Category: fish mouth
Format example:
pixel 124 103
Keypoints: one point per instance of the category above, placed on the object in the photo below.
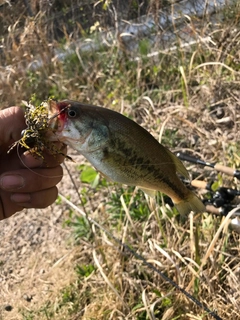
pixel 58 116
pixel 59 123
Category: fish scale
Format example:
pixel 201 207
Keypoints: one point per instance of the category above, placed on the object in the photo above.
pixel 123 151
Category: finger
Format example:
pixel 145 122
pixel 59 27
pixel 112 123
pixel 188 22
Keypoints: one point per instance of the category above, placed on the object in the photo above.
pixel 39 199
pixel 54 160
pixel 12 122
pixel 48 160
pixel 25 180
pixel 7 206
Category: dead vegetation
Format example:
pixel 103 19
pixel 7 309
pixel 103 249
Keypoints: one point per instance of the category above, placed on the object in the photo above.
pixel 189 99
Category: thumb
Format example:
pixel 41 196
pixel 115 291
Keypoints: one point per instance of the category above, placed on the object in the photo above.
pixel 12 122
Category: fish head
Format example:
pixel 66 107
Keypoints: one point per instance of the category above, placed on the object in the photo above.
pixel 78 125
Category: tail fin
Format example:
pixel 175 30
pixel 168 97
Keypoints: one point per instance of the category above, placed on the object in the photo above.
pixel 192 203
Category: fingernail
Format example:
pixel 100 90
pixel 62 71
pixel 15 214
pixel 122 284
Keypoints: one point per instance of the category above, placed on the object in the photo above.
pixel 9 182
pixel 20 197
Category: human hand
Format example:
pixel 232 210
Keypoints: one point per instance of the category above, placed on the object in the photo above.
pixel 25 182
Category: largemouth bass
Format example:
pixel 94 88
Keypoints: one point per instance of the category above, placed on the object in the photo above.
pixel 123 151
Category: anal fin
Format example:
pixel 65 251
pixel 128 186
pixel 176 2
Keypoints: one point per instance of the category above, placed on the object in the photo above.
pixel 150 192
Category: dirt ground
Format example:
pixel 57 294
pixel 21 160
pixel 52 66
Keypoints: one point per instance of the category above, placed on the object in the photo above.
pixel 36 254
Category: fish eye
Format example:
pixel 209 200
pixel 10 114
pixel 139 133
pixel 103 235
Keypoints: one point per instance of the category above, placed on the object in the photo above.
pixel 72 113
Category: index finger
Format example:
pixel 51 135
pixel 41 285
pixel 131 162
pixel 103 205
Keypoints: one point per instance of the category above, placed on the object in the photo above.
pixel 12 122
pixel 48 160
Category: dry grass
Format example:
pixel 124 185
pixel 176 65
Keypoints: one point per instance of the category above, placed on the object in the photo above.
pixel 189 100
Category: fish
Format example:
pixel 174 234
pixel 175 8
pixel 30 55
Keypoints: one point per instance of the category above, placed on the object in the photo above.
pixel 123 151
